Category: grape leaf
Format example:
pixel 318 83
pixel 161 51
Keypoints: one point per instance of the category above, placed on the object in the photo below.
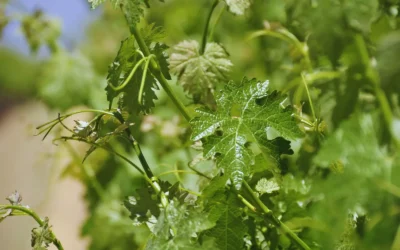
pixel 119 71
pixel 238 6
pixel 229 231
pixel 245 112
pixel 176 225
pixel 199 74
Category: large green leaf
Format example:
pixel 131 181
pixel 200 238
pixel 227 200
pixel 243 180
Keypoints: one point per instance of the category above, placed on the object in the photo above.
pixel 200 73
pixel 245 112
pixel 230 229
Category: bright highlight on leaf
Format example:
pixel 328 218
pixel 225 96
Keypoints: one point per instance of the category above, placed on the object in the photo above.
pixel 199 74
pixel 244 114
pixel 267 186
pixel 238 6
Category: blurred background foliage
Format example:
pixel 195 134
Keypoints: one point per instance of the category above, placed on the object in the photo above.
pixel 335 44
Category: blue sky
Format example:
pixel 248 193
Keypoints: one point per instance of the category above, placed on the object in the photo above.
pixel 74 16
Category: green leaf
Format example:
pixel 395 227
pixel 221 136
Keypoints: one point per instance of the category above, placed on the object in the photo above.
pixel 267 186
pixel 41 236
pixel 199 74
pixel 39 30
pixel 96 3
pixel 178 226
pixel 119 71
pixel 230 229
pixel 365 164
pixel 245 112
pixel 68 74
pixel 159 51
pixel 238 6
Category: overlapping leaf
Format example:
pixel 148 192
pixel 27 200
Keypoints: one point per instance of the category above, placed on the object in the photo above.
pixel 244 114
pixel 200 73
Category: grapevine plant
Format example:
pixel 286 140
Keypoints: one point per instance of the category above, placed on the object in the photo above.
pixel 312 166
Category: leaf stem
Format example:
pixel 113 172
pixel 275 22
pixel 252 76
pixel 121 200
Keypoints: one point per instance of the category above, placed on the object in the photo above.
pixel 31 213
pixel 88 172
pixel 135 146
pixel 268 213
pixel 127 80
pixel 146 67
pixel 205 33
pixel 211 35
pixel 155 70
pixel 105 148
pixel 309 97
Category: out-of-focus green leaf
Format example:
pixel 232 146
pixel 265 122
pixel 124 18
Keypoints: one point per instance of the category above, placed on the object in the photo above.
pixel 68 79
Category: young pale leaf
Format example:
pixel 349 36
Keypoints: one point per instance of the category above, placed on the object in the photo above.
pixel 244 114
pixel 41 236
pixel 267 186
pixel 199 74
pixel 132 9
pixel 238 6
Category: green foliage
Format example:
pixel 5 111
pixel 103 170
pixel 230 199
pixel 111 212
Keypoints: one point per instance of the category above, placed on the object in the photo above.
pixel 199 74
pixel 120 71
pixel 238 168
pixel 41 236
pixel 66 74
pixel 225 212
pixel 244 114
pixel 238 6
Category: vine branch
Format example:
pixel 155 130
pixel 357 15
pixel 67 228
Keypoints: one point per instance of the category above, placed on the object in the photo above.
pixel 32 214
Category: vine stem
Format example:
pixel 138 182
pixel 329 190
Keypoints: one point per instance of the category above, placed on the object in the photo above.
pixel 279 224
pixel 31 213
pixel 211 34
pixel 205 33
pixel 135 146
pixel 155 70
pixel 374 78
pixel 88 172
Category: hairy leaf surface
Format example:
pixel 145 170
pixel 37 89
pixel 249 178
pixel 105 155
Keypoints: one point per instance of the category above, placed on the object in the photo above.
pixel 199 74
pixel 245 112
pixel 238 6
